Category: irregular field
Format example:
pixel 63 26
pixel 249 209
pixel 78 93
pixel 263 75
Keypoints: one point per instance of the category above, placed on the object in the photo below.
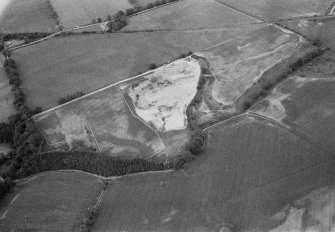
pixel 28 16
pixel 74 13
pixel 62 66
pixel 101 120
pixel 162 97
pixel 54 201
pixel 250 169
pixel 241 63
pixel 6 96
pixel 188 14
pixel 273 9
pixel 304 104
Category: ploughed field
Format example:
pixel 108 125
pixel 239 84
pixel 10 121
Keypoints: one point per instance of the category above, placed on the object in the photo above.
pixel 28 16
pixel 188 14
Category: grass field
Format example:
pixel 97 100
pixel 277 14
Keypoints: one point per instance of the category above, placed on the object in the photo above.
pixel 274 9
pixel 102 120
pixel 80 12
pixel 188 14
pixel 239 64
pixel 54 201
pixel 6 96
pixel 250 169
pixel 62 66
pixel 28 16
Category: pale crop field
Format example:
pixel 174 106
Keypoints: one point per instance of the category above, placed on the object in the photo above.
pixel 188 14
pixel 28 16
pixel 54 201
pixel 74 13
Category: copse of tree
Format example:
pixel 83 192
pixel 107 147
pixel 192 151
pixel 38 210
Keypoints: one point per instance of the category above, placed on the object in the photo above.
pixel 99 20
pixel 91 162
pixel 5 185
pixel 152 66
pixel 70 97
pixel 109 17
pixel 150 5
pixel 130 11
pixel 197 142
pixel 120 21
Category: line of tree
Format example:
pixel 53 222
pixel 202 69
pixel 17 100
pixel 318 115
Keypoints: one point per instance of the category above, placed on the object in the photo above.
pixel 70 97
pixel 26 37
pixel 55 15
pixel 137 8
pixel 20 132
pixel 119 21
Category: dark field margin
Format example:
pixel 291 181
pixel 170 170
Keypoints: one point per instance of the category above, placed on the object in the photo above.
pixel 95 163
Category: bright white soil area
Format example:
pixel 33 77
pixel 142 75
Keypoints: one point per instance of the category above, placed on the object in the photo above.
pixel 161 99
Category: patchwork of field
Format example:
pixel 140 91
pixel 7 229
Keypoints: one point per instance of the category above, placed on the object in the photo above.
pixel 54 201
pixel 28 16
pixel 86 63
pixel 188 14
pixel 250 170
pixel 101 121
pixel 162 97
pixel 80 12
pixel 241 63
pixel 6 96
pixel 304 103
pixel 274 9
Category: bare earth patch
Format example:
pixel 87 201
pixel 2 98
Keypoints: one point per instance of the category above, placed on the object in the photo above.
pixel 162 97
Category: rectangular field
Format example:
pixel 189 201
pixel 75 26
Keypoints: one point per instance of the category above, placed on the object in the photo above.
pixel 80 12
pixel 101 120
pixel 62 66
pixel 56 201
pixel 28 16
pixel 188 14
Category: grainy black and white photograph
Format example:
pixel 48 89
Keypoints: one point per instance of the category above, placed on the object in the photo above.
pixel 167 115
